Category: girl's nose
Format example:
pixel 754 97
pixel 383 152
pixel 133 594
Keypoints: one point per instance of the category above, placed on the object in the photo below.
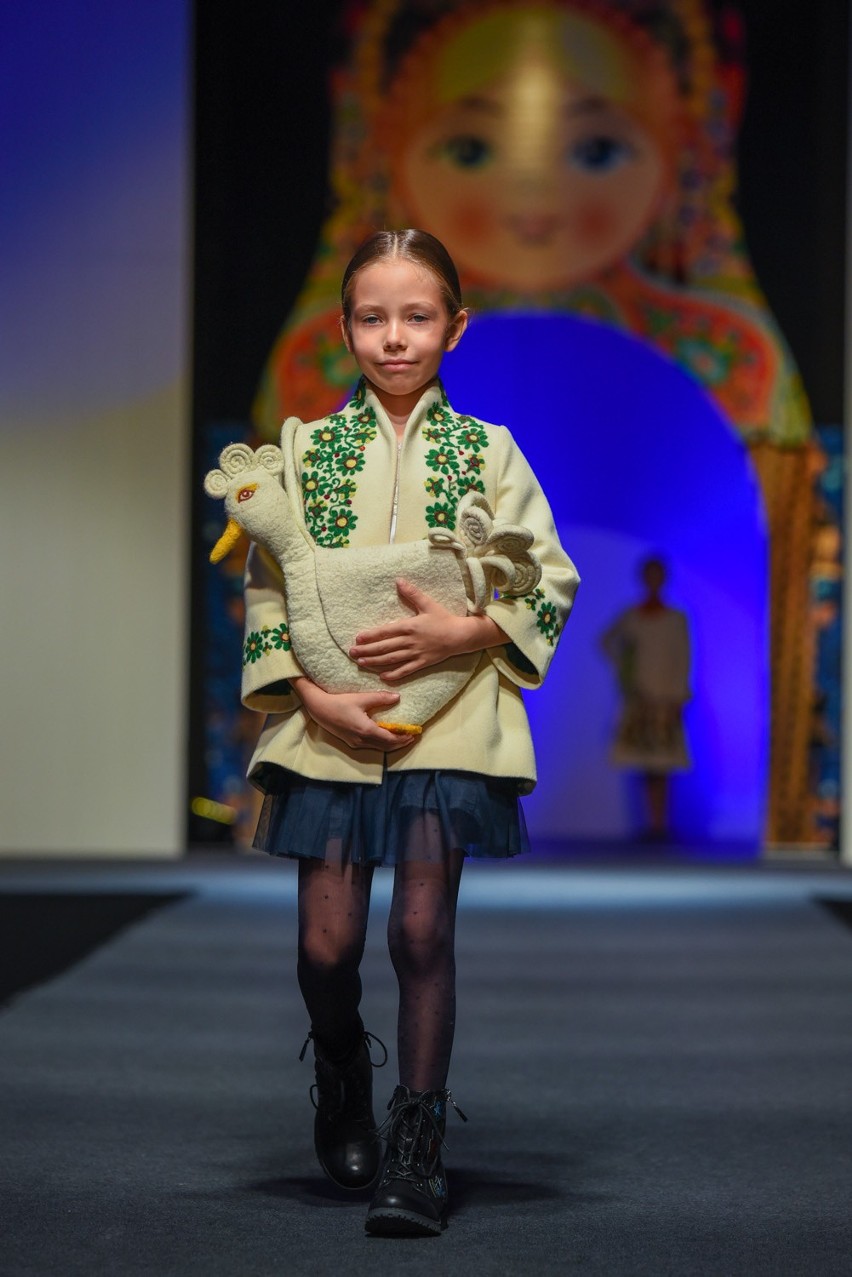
pixel 394 335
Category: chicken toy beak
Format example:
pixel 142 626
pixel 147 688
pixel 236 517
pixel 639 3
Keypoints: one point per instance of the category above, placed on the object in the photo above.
pixel 226 542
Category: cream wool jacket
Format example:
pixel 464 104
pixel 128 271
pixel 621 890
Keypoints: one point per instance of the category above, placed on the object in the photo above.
pixel 356 483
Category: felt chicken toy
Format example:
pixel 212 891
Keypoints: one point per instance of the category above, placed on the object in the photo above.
pixel 332 594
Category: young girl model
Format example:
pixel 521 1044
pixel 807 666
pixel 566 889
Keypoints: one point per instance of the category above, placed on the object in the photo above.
pixel 342 793
pixel 648 644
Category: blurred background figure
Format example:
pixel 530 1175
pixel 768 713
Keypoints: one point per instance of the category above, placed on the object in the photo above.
pixel 649 647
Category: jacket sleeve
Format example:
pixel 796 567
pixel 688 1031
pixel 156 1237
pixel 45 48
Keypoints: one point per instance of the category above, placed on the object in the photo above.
pixel 535 621
pixel 268 660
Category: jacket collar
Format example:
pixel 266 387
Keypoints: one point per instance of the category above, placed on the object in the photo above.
pixel 433 399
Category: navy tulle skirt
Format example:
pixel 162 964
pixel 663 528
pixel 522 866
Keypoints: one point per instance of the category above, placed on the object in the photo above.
pixel 411 815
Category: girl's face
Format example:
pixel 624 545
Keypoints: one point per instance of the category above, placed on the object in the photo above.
pixel 399 328
pixel 547 171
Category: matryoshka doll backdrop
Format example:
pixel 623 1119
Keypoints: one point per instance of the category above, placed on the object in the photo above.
pixel 577 157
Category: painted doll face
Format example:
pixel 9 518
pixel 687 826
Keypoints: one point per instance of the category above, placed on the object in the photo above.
pixel 543 164
pixel 399 327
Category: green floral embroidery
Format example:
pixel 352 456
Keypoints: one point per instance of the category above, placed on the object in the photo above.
pixel 328 484
pixel 546 615
pixel 350 462
pixel 474 437
pixel 442 459
pixel 337 455
pixel 440 515
pixel 253 648
pixel 341 522
pixel 455 461
pixel 363 434
pixel 342 492
pixel 280 637
pixel 325 435
pixel 546 621
pixel 259 642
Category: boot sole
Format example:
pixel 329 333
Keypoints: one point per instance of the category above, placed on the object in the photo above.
pixel 393 1222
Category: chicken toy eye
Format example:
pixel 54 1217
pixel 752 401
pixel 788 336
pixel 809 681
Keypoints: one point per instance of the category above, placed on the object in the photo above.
pixel 246 493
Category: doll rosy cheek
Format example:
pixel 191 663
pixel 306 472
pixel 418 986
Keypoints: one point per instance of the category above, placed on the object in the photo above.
pixel 471 220
pixel 594 224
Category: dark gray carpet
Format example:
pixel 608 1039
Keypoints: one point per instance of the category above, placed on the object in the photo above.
pixel 43 933
pixel 657 1071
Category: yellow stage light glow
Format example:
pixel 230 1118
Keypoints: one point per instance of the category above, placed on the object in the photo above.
pixel 209 809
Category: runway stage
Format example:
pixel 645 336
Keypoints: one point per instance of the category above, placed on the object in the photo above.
pixel 656 1064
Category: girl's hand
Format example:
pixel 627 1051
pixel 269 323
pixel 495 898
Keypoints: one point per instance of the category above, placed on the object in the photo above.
pixel 415 642
pixel 346 715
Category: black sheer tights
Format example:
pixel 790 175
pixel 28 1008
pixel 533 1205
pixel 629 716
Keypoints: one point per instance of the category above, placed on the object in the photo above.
pixel 333 907
pixel 334 901
pixel 421 939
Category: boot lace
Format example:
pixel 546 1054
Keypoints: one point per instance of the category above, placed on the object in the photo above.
pixel 342 1087
pixel 414 1134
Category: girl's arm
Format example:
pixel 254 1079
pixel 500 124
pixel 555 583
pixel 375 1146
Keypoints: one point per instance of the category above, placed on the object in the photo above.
pixel 522 632
pixel 428 637
pixel 346 715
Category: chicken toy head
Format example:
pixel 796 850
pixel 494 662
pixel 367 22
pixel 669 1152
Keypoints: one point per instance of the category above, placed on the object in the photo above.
pixel 248 481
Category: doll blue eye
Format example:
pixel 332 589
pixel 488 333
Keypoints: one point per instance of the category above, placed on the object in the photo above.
pixel 468 151
pixel 599 153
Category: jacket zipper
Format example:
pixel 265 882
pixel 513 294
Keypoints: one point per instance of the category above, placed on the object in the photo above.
pixel 395 509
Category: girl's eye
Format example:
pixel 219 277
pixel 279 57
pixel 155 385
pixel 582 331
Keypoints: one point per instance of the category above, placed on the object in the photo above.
pixel 420 319
pixel 600 153
pixel 369 319
pixel 468 151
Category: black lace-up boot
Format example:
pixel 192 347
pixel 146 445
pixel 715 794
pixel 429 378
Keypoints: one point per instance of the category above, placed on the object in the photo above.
pixel 345 1136
pixel 411 1199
